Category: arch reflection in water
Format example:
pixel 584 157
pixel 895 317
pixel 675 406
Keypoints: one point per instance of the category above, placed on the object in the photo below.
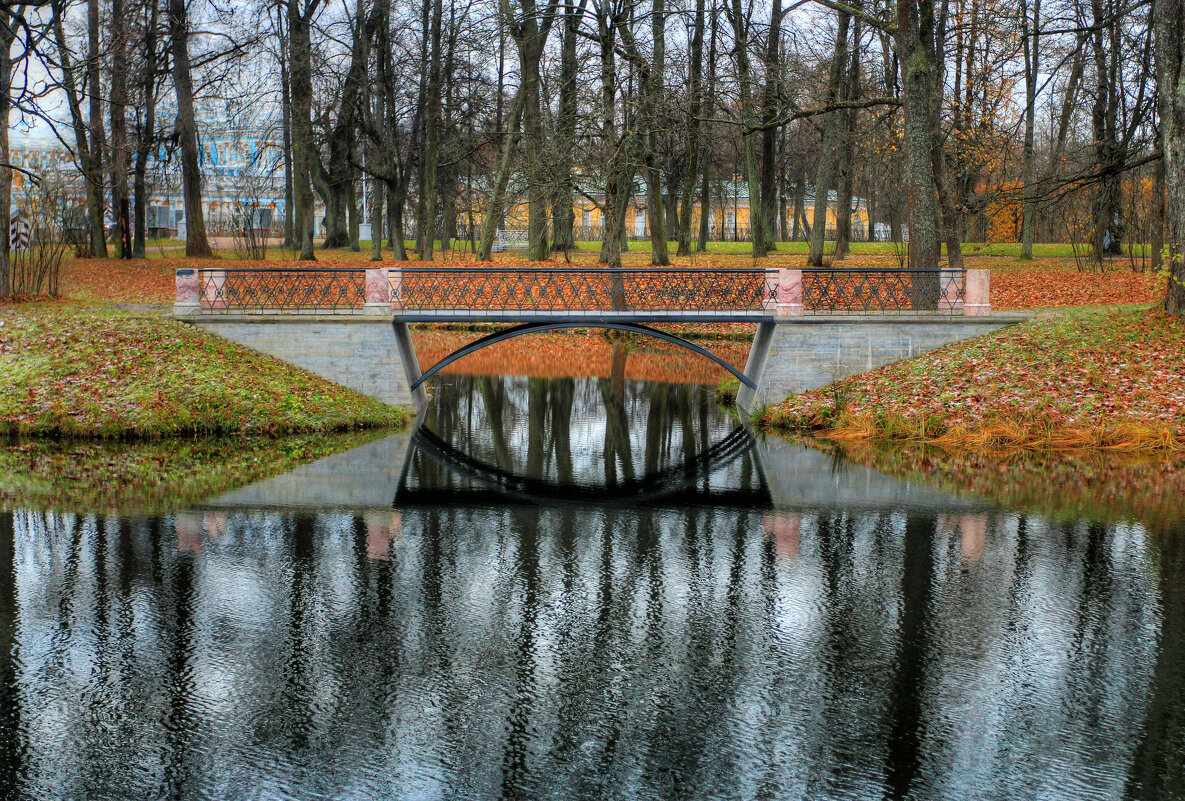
pixel 496 440
pixel 844 644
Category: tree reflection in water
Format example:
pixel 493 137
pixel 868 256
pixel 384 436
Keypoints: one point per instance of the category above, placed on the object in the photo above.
pixel 486 639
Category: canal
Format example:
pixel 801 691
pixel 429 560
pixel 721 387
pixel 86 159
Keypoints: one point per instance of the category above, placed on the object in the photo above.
pixel 587 588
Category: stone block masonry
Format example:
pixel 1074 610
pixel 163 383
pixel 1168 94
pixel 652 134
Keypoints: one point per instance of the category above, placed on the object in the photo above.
pixel 357 351
pixel 805 353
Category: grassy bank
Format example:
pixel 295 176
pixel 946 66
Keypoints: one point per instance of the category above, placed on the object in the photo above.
pixel 1099 486
pixel 94 371
pixel 1089 378
pixel 155 477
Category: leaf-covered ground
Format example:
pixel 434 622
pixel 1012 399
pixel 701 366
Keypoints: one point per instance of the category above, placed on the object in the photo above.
pixel 1084 378
pixel 93 371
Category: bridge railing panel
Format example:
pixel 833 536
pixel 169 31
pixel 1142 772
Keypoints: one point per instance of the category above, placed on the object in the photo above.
pixel 286 290
pixel 527 289
pixel 888 291
pixel 735 293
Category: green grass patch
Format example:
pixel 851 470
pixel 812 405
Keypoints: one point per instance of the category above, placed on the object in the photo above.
pixel 93 371
pixel 726 391
pixel 152 477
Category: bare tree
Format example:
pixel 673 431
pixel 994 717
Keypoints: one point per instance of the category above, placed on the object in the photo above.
pixel 1170 39
pixel 196 242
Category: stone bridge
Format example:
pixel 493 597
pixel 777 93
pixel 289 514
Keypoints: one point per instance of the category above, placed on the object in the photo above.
pixel 811 326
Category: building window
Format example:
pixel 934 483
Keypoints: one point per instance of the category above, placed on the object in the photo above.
pixel 586 218
pixel 640 222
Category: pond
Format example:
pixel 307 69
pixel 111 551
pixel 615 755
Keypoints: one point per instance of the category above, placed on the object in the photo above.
pixel 582 588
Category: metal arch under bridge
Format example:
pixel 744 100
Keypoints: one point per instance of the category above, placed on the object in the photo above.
pixel 556 325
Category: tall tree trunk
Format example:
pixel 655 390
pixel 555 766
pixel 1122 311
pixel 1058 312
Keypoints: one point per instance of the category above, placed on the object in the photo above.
pixel 797 231
pixel 948 213
pixel 563 217
pixel 1107 202
pixel 147 134
pixel 196 244
pixel 653 82
pixel 289 223
pixel 98 144
pixel 89 163
pixel 431 137
pixel 705 192
pixel 301 95
pixel 529 28
pixel 1031 32
pixel 829 146
pixel 7 36
pixel 846 168
pixel 1158 214
pixel 769 134
pixel 740 27
pixel 374 153
pixel 612 208
pixel 119 127
pixel 535 152
pixel 694 88
pixel 496 208
pixel 1170 38
pixel 919 72
pixel 396 200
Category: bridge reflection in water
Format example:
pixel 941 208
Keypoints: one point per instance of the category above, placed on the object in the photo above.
pixel 589 589
pixel 485 440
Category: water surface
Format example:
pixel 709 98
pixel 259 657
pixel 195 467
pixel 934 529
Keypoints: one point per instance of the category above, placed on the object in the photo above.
pixel 588 588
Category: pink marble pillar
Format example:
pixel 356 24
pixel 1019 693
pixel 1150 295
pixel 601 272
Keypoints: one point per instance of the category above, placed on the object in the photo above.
pixel 976 296
pixel 790 293
pixel 378 291
pixel 189 293
pixel 213 289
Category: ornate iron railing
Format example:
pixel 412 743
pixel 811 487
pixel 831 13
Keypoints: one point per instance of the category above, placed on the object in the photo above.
pixel 430 292
pixel 555 289
pixel 287 289
pixel 887 291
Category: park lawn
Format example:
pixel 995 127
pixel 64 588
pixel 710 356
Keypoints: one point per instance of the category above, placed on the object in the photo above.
pixel 93 371
pixel 1086 378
